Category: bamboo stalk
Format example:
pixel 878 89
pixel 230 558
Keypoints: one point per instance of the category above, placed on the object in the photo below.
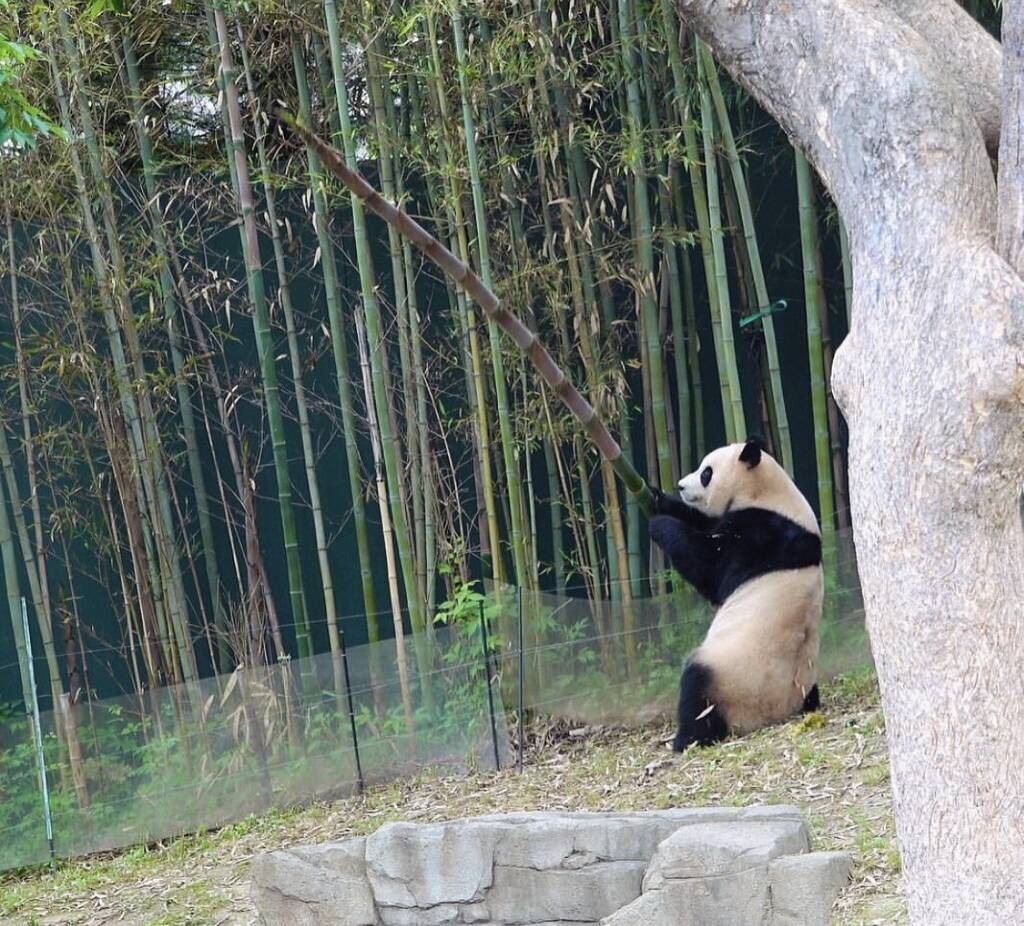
pixel 34 558
pixel 12 585
pixel 739 183
pixel 508 449
pixel 261 325
pixel 339 350
pixel 380 98
pixel 476 387
pixel 374 330
pixel 524 338
pixel 301 403
pixel 141 483
pixel 690 305
pixel 195 466
pixel 724 330
pixel 680 86
pixel 645 246
pixel 145 433
pixel 844 246
pixel 814 298
pixel 386 526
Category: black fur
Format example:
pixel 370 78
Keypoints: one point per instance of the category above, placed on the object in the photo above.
pixel 717 556
pixel 812 701
pixel 693 702
pixel 751 452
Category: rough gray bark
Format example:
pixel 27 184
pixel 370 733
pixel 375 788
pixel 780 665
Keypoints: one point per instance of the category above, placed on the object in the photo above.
pixel 1011 153
pixel 970 55
pixel 931 380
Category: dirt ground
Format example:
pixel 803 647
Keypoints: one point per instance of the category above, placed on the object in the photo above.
pixel 833 765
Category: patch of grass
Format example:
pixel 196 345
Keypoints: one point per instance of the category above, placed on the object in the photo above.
pixel 835 768
pixel 188 905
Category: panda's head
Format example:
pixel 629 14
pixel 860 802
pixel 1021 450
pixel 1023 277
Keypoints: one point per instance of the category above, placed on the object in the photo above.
pixel 744 476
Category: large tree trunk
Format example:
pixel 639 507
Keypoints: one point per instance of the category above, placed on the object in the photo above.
pixel 893 103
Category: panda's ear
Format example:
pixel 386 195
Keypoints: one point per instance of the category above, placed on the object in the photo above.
pixel 751 452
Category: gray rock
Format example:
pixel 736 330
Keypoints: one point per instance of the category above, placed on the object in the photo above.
pixel 625 838
pixel 771 812
pixel 541 842
pixel 314 886
pixel 738 899
pixel 715 849
pixel 705 867
pixel 525 895
pixel 426 865
pixel 804 887
pixel 442 915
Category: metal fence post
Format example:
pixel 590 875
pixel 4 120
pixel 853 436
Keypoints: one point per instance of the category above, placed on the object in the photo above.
pixel 360 783
pixel 490 690
pixel 522 679
pixel 34 709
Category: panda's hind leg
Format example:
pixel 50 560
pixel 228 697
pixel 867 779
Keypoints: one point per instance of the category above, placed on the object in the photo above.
pixel 701 721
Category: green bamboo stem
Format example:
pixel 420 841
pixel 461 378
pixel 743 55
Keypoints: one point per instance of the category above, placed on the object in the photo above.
pixel 12 585
pixel 508 447
pixel 339 351
pixel 417 138
pixel 552 462
pixel 423 474
pixel 725 323
pixel 376 347
pixel 40 608
pixel 170 306
pixel 742 191
pixel 555 506
pixel 814 297
pixel 122 377
pixel 524 338
pixel 839 483
pixel 581 277
pixel 618 558
pixel 298 385
pixel 645 244
pixel 671 274
pixel 680 84
pixel 261 326
pixel 844 247
pixel 373 427
pixel 259 589
pixel 690 307
pixel 145 434
pixel 382 102
pixel 35 559
pixel 477 387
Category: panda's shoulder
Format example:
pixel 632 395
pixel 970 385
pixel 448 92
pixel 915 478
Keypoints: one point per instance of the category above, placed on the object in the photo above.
pixel 762 525
pixel 757 520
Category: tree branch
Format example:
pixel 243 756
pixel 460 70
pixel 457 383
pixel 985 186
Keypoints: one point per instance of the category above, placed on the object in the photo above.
pixel 972 57
pixel 870 101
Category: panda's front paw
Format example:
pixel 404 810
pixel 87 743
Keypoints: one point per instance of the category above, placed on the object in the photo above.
pixel 659 500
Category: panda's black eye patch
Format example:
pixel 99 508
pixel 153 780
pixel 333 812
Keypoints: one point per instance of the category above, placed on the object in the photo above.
pixel 705 476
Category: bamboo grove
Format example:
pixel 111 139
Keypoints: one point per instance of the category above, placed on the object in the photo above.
pixel 238 408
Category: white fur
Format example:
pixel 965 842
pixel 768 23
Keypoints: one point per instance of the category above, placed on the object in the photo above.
pixel 762 646
pixel 734 485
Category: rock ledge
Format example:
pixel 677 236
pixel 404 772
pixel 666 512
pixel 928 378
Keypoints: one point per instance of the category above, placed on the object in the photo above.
pixel 706 866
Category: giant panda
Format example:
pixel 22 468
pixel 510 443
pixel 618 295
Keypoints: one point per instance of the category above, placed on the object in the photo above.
pixel 747 540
